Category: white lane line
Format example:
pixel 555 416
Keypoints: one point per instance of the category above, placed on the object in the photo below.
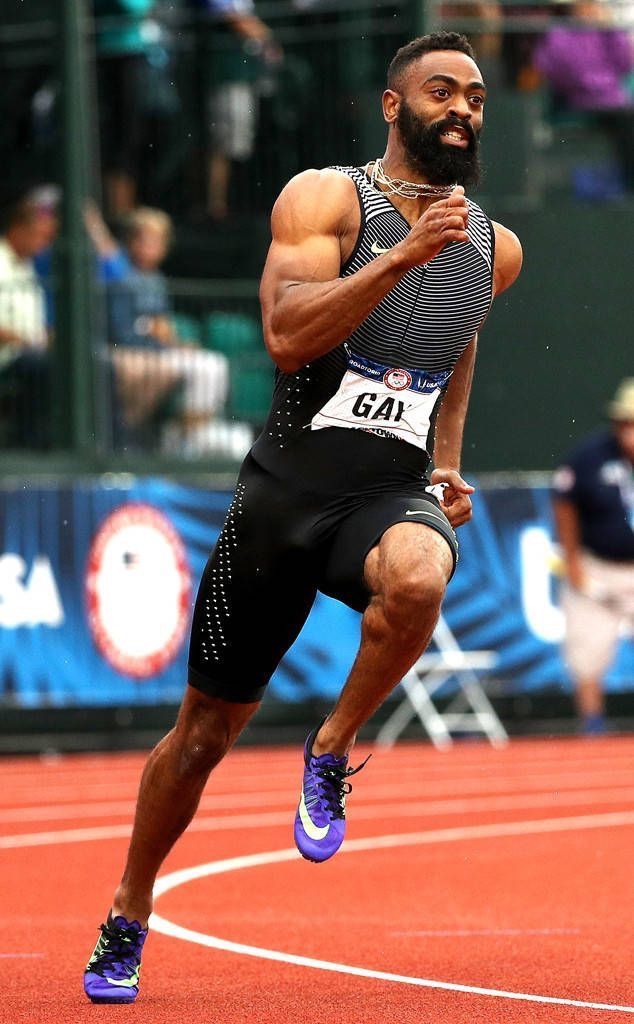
pixel 362 809
pixel 68 812
pixel 76 790
pixel 73 835
pixel 272 819
pixel 467 933
pixel 19 956
pixel 244 764
pixel 422 755
pixel 517 828
pixel 448 786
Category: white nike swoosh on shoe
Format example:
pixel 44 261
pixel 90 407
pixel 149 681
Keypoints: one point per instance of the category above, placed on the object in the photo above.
pixel 378 250
pixel 316 832
pixel 124 982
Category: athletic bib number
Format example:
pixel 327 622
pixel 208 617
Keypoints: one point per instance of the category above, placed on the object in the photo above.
pixel 384 398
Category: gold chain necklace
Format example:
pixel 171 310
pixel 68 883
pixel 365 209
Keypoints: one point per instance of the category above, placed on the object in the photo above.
pixel 400 187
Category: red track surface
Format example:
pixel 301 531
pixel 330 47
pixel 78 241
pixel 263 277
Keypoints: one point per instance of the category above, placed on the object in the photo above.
pixel 539 902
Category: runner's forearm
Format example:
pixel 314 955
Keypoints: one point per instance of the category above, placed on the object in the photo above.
pixel 309 319
pixel 448 440
pixel 453 411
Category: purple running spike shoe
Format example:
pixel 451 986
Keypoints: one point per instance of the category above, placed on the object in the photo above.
pixel 320 822
pixel 112 973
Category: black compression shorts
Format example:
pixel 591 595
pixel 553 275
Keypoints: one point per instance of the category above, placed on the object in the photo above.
pixel 286 538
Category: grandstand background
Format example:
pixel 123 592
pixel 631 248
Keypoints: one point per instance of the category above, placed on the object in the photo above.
pixel 94 655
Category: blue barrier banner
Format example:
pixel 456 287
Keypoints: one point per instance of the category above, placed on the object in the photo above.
pixel 98 579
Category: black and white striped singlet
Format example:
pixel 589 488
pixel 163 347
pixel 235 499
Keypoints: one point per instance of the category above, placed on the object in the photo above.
pixel 390 375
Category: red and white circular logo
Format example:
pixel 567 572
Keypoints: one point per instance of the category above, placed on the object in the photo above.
pixel 138 587
pixel 397 380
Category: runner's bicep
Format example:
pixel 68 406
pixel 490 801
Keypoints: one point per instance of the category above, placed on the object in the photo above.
pixel 314 258
pixel 306 227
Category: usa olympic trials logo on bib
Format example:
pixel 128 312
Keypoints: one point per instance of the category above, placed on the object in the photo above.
pixel 397 380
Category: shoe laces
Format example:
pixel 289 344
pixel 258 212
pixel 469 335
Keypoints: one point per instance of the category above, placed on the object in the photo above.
pixel 121 948
pixel 334 786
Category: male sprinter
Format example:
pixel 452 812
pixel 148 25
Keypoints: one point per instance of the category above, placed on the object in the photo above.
pixel 376 284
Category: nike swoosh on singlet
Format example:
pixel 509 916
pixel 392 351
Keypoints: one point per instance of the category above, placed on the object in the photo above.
pixel 315 832
pixel 378 249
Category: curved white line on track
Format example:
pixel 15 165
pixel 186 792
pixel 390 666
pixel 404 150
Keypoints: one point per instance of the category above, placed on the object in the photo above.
pixel 515 828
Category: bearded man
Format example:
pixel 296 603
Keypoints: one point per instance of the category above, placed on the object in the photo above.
pixel 376 284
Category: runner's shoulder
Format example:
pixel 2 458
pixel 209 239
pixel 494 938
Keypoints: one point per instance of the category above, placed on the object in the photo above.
pixel 317 197
pixel 506 236
pixel 508 257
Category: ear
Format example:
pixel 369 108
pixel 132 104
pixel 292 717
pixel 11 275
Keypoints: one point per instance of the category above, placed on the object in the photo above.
pixel 391 103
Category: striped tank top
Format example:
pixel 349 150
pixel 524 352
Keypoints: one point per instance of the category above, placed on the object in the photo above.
pixel 389 376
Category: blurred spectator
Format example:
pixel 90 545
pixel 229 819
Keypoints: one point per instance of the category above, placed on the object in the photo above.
pixel 46 200
pixel 594 518
pixel 586 62
pixel 121 44
pixel 487 41
pixel 150 359
pixel 522 26
pixel 29 228
pixel 241 49
pixel 163 138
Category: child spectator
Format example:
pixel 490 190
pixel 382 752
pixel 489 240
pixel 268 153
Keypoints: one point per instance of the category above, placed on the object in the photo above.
pixel 148 356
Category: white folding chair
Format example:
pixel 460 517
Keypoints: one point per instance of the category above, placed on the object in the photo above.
pixel 469 711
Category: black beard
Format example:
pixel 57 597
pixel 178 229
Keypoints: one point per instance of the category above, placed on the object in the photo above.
pixel 439 162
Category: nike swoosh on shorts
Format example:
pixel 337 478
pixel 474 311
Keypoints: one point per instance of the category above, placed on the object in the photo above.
pixel 424 512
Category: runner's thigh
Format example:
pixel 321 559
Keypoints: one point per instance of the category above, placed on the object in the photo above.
pixel 344 573
pixel 255 594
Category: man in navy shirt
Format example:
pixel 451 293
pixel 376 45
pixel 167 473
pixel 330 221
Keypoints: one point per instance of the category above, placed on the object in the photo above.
pixel 594 518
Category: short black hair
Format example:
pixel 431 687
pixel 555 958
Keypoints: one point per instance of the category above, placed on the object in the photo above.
pixel 425 44
pixel 21 212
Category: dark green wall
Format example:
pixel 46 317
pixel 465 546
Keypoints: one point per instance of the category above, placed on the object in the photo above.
pixel 559 341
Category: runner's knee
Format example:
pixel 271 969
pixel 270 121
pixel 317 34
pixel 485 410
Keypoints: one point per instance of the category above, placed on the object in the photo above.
pixel 410 597
pixel 206 733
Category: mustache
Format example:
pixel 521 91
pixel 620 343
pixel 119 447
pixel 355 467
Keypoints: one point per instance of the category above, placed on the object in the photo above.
pixel 457 122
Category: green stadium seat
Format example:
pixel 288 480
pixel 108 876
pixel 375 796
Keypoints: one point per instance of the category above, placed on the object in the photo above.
pixel 188 328
pixel 232 333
